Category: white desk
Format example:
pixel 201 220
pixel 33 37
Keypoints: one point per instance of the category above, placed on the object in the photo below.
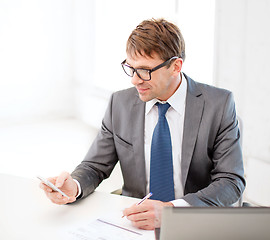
pixel 26 213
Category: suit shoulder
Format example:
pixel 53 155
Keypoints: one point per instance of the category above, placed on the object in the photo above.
pixel 214 97
pixel 126 92
pixel 208 92
pixel 212 91
pixel 126 96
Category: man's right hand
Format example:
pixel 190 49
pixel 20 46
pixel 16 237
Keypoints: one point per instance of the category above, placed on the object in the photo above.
pixel 66 184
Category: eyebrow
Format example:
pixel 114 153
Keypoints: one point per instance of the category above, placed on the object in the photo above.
pixel 140 67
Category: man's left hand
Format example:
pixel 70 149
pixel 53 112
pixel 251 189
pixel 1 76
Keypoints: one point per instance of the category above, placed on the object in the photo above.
pixel 146 215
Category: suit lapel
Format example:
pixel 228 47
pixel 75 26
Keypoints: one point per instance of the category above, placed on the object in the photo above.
pixel 193 115
pixel 137 125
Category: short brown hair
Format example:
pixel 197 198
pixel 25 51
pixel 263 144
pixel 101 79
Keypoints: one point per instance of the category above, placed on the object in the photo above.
pixel 159 36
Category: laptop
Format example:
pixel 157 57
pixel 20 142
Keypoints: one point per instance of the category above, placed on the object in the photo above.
pixel 214 223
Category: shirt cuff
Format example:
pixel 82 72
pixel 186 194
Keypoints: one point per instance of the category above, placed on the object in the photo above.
pixel 180 203
pixel 79 187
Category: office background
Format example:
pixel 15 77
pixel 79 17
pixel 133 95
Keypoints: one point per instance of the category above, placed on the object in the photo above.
pixel 61 58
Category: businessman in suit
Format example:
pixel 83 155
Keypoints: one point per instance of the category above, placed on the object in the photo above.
pixel 206 167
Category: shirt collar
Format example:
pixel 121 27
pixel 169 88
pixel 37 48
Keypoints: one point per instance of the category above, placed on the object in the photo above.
pixel 177 100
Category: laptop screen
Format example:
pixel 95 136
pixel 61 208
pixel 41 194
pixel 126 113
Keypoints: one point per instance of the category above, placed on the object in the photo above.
pixel 215 223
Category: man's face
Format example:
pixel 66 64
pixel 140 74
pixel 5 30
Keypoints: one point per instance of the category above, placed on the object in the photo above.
pixel 163 83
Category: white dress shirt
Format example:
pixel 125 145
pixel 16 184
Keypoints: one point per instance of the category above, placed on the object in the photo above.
pixel 175 117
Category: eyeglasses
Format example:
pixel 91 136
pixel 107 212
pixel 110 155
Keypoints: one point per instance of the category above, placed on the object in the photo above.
pixel 144 74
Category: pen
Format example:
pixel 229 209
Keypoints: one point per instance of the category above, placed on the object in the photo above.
pixel 146 197
pixel 142 200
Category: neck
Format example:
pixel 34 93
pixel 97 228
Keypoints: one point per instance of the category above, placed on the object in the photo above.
pixel 177 85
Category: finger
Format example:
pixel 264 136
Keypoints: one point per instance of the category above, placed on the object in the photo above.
pixel 58 201
pixel 145 224
pixel 134 209
pixel 142 216
pixel 45 187
pixel 57 198
pixel 54 195
pixel 143 220
pixel 147 205
pixel 137 211
pixel 52 179
pixel 61 179
pixel 64 200
pixel 125 212
pixel 147 227
pixel 71 199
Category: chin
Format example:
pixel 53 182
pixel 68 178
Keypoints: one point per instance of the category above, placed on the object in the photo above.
pixel 145 98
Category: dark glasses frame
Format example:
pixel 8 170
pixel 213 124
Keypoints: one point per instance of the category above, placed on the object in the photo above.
pixel 133 70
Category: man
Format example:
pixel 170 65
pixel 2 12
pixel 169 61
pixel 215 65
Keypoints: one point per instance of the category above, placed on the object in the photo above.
pixel 200 161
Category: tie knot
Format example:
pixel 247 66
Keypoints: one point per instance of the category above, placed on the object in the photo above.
pixel 162 108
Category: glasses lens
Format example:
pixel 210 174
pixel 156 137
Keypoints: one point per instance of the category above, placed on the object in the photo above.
pixel 143 74
pixel 128 70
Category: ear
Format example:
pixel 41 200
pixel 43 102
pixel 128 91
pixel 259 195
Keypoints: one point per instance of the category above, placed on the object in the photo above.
pixel 177 66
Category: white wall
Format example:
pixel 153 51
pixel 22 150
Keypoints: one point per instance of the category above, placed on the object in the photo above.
pixel 35 59
pixel 196 20
pixel 242 65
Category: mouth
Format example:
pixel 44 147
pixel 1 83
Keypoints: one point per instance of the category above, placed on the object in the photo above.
pixel 142 90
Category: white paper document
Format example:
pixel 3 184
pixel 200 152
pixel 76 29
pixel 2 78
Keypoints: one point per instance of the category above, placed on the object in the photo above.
pixel 108 227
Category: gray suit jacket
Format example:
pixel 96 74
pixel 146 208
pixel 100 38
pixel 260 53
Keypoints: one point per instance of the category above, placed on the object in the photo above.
pixel 212 166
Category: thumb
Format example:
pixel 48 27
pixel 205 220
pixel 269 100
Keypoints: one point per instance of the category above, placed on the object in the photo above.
pixel 61 179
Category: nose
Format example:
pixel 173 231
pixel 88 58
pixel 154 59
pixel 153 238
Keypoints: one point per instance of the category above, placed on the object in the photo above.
pixel 135 80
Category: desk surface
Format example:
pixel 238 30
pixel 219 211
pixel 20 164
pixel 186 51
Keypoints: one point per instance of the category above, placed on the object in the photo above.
pixel 26 213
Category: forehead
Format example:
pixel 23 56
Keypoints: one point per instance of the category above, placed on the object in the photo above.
pixel 143 60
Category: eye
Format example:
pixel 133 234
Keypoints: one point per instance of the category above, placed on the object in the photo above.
pixel 144 74
pixel 128 70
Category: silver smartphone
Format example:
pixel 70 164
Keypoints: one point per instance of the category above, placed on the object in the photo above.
pixel 52 186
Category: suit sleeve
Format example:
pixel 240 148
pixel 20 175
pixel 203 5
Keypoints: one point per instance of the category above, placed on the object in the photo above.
pixel 227 175
pixel 100 159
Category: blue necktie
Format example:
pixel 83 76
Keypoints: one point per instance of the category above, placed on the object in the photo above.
pixel 161 165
